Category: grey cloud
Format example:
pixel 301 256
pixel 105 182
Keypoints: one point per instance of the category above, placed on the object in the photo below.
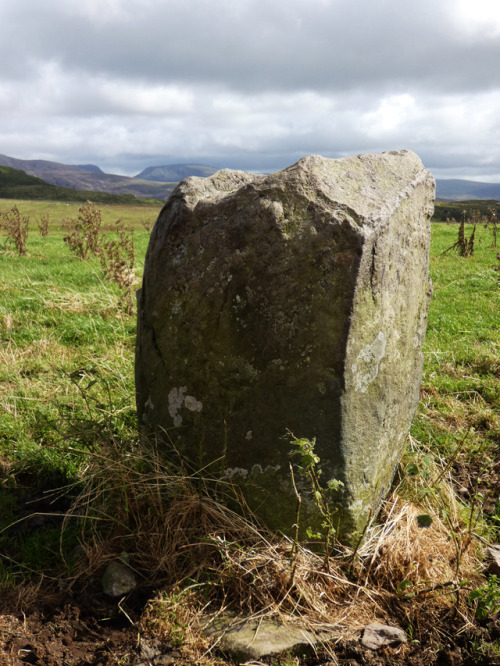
pixel 247 83
pixel 256 44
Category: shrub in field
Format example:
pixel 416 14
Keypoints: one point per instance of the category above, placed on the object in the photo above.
pixel 117 256
pixel 83 236
pixel 16 228
pixel 117 260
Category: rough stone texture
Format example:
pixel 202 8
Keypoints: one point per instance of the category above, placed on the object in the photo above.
pixel 377 635
pixel 295 301
pixel 493 558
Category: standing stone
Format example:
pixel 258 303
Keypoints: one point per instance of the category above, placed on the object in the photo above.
pixel 295 302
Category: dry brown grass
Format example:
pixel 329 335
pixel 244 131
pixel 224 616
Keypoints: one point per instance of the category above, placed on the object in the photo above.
pixel 180 538
pixel 425 559
pixel 75 302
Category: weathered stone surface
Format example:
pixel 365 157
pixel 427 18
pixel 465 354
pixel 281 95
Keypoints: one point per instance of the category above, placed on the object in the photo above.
pixel 295 301
pixel 376 635
pixel 246 639
pixel 493 559
pixel 118 580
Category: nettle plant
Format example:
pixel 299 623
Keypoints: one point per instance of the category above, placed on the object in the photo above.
pixel 323 494
pixel 487 598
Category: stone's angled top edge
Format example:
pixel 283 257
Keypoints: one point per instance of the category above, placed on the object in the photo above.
pixel 215 187
pixel 225 180
pixel 312 158
pixel 378 181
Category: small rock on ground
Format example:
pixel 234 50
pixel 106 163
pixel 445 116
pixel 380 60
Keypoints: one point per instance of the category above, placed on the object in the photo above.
pixel 377 635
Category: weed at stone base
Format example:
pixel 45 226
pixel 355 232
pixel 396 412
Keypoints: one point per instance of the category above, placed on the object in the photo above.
pixel 486 598
pixel 323 496
pixel 168 617
pixel 485 651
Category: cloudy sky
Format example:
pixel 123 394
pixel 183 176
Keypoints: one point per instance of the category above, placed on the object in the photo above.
pixel 251 84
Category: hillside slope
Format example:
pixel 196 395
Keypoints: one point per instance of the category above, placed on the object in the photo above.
pixel 17 184
pixel 81 178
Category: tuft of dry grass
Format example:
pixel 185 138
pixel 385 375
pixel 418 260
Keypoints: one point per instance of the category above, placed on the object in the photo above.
pixel 414 556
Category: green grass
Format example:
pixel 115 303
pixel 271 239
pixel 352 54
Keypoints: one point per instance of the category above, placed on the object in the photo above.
pixel 66 348
pixel 459 414
pixel 66 373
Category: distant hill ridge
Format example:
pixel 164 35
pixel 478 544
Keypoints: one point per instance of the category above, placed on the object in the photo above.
pixel 455 189
pixel 176 172
pixel 157 182
pixel 90 167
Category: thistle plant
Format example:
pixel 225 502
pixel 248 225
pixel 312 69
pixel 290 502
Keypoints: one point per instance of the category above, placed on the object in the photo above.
pixel 16 228
pixel 117 260
pixel 83 236
pixel 464 245
pixel 43 224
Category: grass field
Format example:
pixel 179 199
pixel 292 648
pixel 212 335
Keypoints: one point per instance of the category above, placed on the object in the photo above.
pixel 66 365
pixel 461 388
pixel 67 387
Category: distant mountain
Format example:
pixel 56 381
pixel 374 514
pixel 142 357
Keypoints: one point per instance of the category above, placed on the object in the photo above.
pixel 90 167
pixel 465 190
pixel 17 184
pixel 176 172
pixel 78 178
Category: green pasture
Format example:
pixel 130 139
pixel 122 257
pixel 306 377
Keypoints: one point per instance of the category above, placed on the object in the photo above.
pixel 67 356
pixel 461 383
pixel 138 217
